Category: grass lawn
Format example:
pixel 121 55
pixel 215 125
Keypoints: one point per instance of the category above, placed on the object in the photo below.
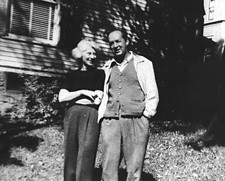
pixel 36 154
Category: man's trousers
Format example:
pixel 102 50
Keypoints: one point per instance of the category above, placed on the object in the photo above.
pixel 129 135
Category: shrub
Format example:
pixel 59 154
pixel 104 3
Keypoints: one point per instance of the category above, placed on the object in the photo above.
pixel 41 104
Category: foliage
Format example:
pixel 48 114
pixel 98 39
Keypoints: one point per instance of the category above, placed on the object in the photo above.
pixel 40 100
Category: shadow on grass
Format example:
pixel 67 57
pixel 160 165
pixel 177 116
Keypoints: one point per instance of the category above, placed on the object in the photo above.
pixel 206 140
pixel 11 128
pixel 185 120
pixel 29 142
pixel 122 175
pixel 6 143
pixel 183 127
pixel 11 135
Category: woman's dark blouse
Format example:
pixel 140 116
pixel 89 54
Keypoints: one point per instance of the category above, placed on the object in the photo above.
pixel 88 80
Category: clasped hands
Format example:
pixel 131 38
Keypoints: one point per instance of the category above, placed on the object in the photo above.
pixel 95 96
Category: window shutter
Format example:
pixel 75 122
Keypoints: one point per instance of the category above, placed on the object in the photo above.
pixel 20 20
pixel 32 19
pixel 3 16
pixel 42 21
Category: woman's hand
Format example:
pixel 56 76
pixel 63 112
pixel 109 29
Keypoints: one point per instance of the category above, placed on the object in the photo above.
pixel 94 96
pixel 91 94
pixel 98 99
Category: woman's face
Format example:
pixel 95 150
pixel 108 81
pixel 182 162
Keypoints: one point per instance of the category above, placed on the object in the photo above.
pixel 88 57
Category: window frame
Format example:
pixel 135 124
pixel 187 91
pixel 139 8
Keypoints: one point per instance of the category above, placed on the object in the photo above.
pixel 55 29
pixel 211 10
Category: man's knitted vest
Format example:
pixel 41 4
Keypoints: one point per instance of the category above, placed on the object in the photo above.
pixel 126 97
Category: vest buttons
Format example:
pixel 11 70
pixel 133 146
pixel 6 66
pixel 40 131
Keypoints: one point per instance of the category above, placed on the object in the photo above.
pixel 120 87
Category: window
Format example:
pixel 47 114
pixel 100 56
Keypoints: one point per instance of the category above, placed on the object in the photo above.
pixel 14 82
pixel 211 13
pixel 33 19
pixel 211 9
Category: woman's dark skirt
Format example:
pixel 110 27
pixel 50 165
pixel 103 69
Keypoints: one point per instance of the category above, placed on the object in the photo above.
pixel 81 141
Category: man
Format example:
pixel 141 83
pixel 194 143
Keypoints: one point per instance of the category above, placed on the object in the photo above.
pixel 130 100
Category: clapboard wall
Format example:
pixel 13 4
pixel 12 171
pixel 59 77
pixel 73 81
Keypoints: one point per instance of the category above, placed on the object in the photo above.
pixel 99 16
pixel 36 59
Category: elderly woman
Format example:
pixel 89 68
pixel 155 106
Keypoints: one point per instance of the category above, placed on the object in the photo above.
pixel 82 89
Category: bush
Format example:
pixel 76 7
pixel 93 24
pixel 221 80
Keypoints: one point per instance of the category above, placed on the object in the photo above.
pixel 41 104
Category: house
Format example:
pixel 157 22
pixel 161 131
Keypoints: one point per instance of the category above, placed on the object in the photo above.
pixel 36 36
pixel 214 19
pixel 29 33
pixel 214 25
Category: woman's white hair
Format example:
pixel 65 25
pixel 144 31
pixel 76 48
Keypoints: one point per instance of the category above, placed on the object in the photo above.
pixel 82 46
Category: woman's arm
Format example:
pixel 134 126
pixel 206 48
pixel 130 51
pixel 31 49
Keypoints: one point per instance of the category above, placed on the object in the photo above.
pixel 65 95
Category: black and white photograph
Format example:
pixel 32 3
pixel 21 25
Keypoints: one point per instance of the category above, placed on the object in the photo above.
pixel 112 90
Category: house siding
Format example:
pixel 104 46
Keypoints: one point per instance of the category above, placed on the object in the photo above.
pixel 23 56
pixel 17 56
pixel 98 16
pixel 28 58
pixel 214 28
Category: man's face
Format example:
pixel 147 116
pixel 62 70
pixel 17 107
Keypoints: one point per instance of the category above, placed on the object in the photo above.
pixel 117 43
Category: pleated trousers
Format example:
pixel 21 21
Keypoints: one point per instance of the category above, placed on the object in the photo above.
pixel 81 132
pixel 129 135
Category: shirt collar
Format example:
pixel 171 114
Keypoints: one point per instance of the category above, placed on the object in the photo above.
pixel 129 58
